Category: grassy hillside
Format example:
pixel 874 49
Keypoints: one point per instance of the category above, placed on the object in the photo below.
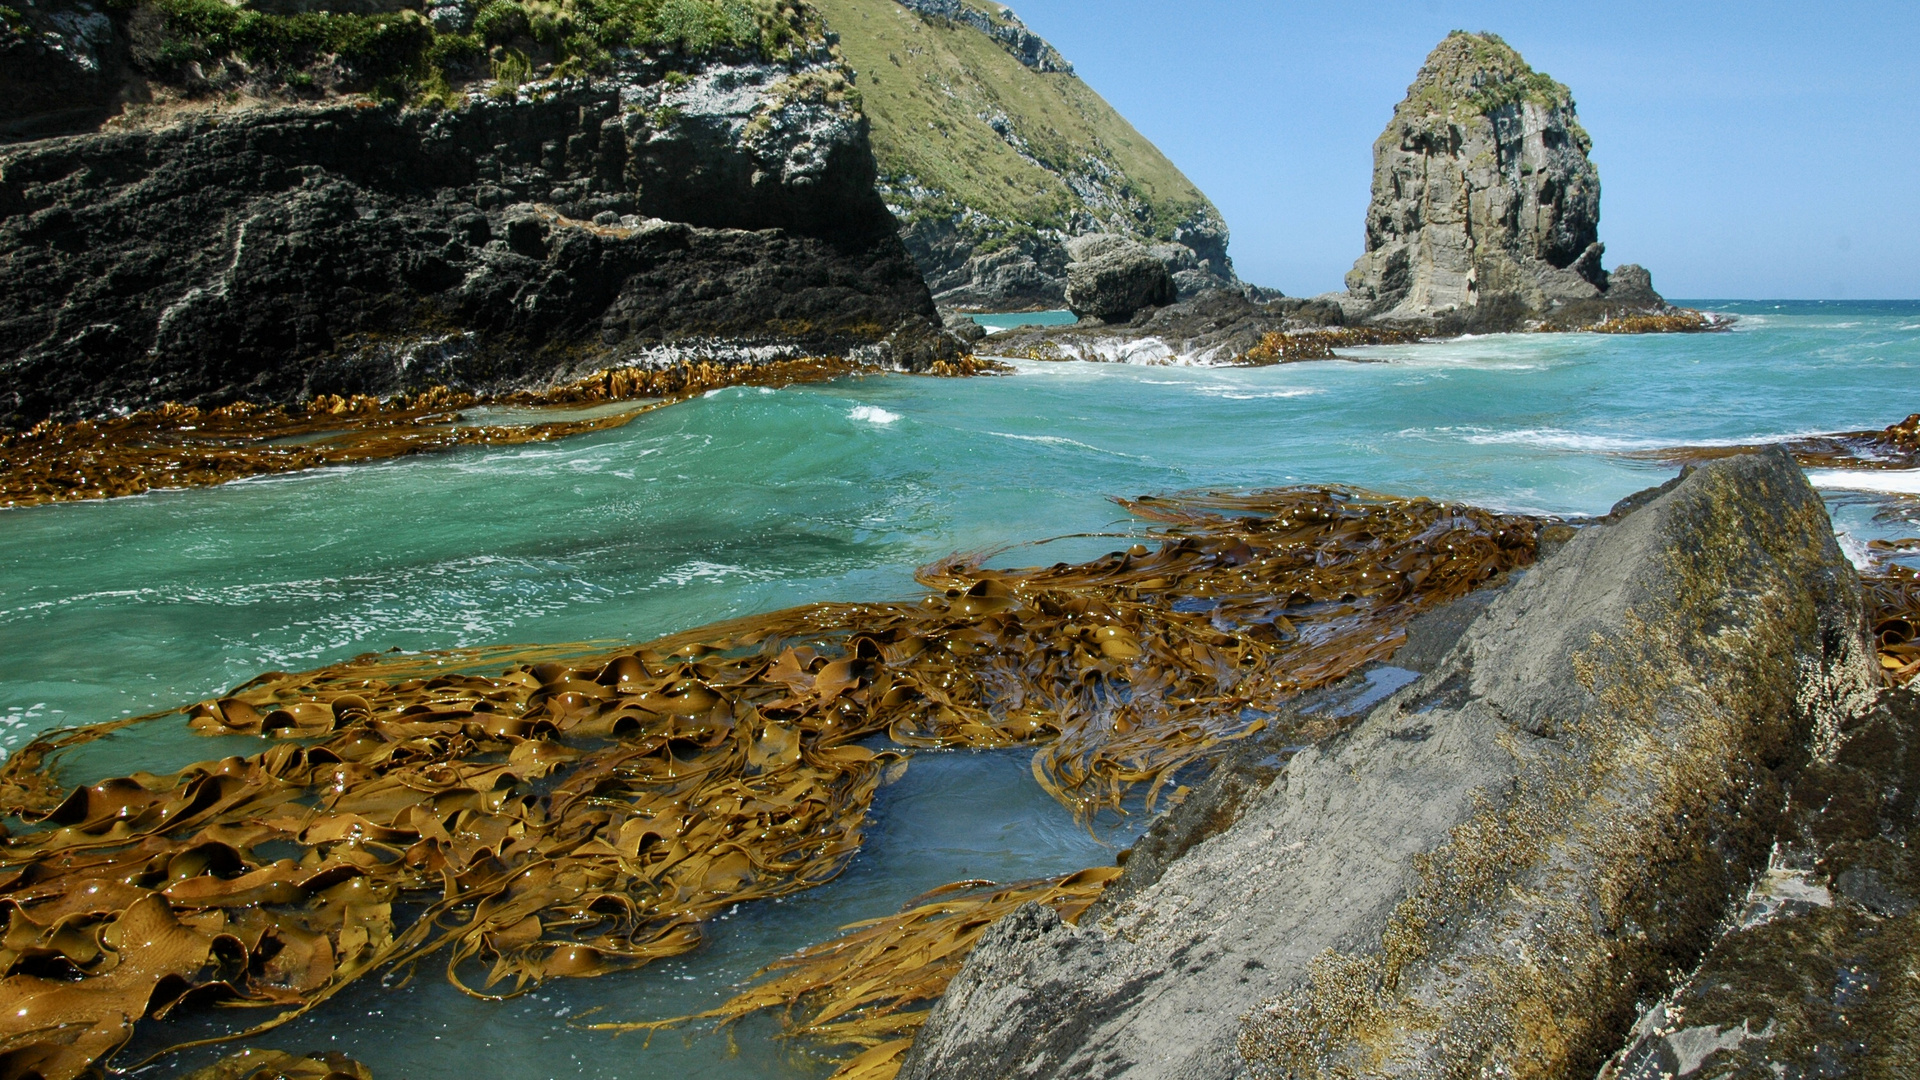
pixel 966 133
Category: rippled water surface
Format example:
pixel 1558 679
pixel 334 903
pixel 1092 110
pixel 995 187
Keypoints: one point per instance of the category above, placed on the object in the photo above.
pixel 748 499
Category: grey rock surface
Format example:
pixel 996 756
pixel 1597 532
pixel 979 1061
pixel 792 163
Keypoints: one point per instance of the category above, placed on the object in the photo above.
pixel 279 253
pixel 1022 268
pixel 1002 26
pixel 1484 875
pixel 1485 212
pixel 1112 276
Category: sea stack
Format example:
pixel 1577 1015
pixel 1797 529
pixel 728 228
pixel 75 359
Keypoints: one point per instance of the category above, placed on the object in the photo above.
pixel 1486 209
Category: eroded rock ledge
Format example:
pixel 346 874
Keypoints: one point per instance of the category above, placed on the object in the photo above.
pixel 1493 871
pixel 350 248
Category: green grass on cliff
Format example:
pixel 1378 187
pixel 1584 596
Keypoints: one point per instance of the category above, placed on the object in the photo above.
pixel 402 55
pixel 1475 74
pixel 929 87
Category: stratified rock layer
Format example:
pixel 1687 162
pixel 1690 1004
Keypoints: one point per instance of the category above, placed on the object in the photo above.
pixel 1485 875
pixel 279 253
pixel 1486 208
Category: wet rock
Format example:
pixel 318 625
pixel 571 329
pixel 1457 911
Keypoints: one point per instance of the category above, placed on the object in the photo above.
pixel 1113 276
pixel 279 253
pixel 1217 326
pixel 963 327
pixel 917 343
pixel 1488 872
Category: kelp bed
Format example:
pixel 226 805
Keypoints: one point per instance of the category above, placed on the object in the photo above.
pixel 1896 446
pixel 570 817
pixel 175 446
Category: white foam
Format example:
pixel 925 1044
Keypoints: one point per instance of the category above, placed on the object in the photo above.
pixel 1236 394
pixel 1888 481
pixel 1855 550
pixel 1061 440
pixel 1559 439
pixel 873 414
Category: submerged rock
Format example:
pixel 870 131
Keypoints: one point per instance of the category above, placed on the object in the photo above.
pixel 1486 209
pixel 1490 871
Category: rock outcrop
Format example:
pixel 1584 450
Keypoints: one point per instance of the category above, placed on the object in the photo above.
pixel 993 155
pixel 1486 209
pixel 1489 872
pixel 1220 326
pixel 1110 277
pixel 713 206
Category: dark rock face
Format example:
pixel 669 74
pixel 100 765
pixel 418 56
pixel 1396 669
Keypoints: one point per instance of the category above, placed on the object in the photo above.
pixel 342 249
pixel 1488 872
pixel 60 70
pixel 1112 276
pixel 1486 209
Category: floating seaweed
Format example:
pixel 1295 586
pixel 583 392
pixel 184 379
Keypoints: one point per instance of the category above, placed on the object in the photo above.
pixel 277 1065
pixel 865 989
pixel 174 446
pixel 1896 446
pixel 586 810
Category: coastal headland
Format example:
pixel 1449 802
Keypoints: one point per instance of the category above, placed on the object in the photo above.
pixel 1435 789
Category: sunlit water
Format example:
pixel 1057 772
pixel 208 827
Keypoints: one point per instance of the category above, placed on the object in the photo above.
pixel 748 500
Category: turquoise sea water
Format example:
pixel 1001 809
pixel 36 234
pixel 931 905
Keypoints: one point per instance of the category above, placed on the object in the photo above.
pixel 1007 320
pixel 747 500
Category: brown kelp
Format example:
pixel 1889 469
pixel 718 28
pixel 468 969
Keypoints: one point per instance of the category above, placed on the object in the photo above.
pixel 1293 346
pixel 867 988
pixel 174 446
pixel 1896 446
pixel 1677 321
pixel 584 811
pixel 1893 614
pixel 278 1065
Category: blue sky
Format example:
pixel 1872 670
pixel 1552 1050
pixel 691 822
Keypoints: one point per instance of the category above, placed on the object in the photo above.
pixel 1745 150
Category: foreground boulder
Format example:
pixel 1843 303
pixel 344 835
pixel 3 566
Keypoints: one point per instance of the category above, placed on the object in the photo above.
pixel 1113 276
pixel 1488 873
pixel 1486 209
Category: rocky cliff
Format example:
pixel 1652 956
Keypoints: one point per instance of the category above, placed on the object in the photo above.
pixel 1486 209
pixel 993 155
pixel 1493 870
pixel 691 190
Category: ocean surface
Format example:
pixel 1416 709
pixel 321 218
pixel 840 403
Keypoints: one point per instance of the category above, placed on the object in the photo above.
pixel 747 500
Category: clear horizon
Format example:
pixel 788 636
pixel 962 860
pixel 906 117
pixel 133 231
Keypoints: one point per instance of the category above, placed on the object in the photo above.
pixel 1760 151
